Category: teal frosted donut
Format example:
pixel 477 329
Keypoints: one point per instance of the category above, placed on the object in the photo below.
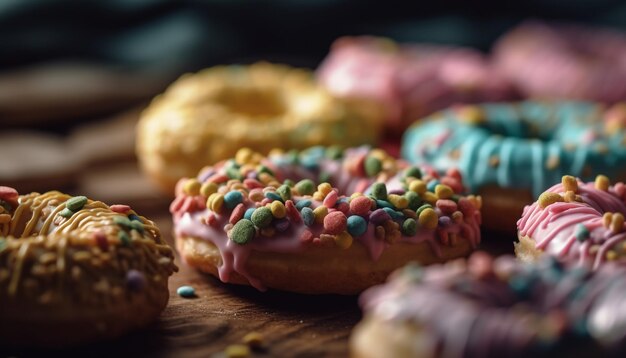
pixel 516 151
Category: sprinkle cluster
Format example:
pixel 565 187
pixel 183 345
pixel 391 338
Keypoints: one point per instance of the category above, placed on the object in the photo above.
pixel 259 205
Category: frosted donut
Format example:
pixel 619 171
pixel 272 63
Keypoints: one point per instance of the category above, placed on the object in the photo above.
pixel 205 117
pixel 564 61
pixel 74 270
pixel 410 81
pixel 261 221
pixel 486 307
pixel 583 222
pixel 511 153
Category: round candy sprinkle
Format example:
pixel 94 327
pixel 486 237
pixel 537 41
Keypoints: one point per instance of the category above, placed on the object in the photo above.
pixel 119 208
pixel 215 202
pixel 428 218
pixel 302 203
pixel 281 225
pixel 324 188
pixel 383 204
pixel 413 172
pixel 308 216
pixel 379 216
pixel 335 222
pixel 443 191
pixel 232 199
pixel 278 209
pixel 273 196
pixel 248 213
pixel 418 186
pixel 582 233
pixel 602 182
pixel 394 214
pixel 431 185
pixel 284 191
pixel 76 203
pixel 356 225
pixel 242 232
pixel 360 205
pixel 66 213
pixel 186 291
pixel 305 187
pixel 237 351
pixel 262 217
pixel 344 240
pixel 331 199
pixel 422 208
pixel 373 166
pixel 409 227
pixel 446 206
pixel 192 187
pixel 379 191
pixel 8 194
pixel 445 221
pixel 135 280
pixel 399 201
pixel 413 200
pixel 320 213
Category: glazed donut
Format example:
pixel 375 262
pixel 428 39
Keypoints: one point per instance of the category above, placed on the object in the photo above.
pixel 511 153
pixel 559 61
pixel 583 222
pixel 486 307
pixel 410 81
pixel 205 117
pixel 261 221
pixel 74 270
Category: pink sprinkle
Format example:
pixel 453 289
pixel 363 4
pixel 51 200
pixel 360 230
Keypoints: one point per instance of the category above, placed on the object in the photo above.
pixel 446 206
pixel 292 212
pixel 176 204
pixel 306 236
pixel 189 205
pixel 466 207
pixel 218 178
pixel 266 201
pixel 119 208
pixel 343 207
pixel 200 203
pixel 8 194
pixel 211 220
pixel 358 165
pixel 252 183
pixel 101 241
pixel 335 222
pixel 237 213
pixel 360 205
pixel 453 183
pixel 620 189
pixel 454 173
pixel 331 199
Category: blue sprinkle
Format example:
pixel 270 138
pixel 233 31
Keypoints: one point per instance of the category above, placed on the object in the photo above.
pixel 248 213
pixel 432 184
pixel 303 203
pixel 357 226
pixel 273 196
pixel 232 199
pixel 343 200
pixel 394 214
pixel 134 217
pixel 186 291
pixel 582 233
pixel 281 224
pixel 308 216
pixel 383 204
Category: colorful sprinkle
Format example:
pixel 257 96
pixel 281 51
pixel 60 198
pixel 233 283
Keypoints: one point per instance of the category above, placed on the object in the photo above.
pixel 602 182
pixel 76 203
pixel 242 232
pixel 232 199
pixel 119 208
pixel 281 225
pixel 443 191
pixel 8 194
pixel 308 216
pixel 398 201
pixel 124 238
pixel 238 213
pixel 215 202
pixel 413 200
pixel 413 172
pixel 278 209
pixel 428 218
pixel 335 222
pixel 373 166
pixel 135 280
pixel 284 191
pixel 356 225
pixel 248 213
pixel 331 199
pixel 256 195
pixel 343 240
pixel 273 196
pixel 581 232
pixel 446 206
pixel 320 213
pixel 418 186
pixel 409 227
pixel 66 213
pixel 305 187
pixel 186 291
pixel 432 185
pixel 303 203
pixel 360 205
pixel 262 217
pixel 617 222
pixel 379 216
pixel 379 191
pixel 192 187
pixel 394 214
pixel 547 198
pixel 569 183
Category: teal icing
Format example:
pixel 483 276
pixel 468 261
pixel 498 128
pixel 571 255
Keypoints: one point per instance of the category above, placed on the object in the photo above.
pixel 535 144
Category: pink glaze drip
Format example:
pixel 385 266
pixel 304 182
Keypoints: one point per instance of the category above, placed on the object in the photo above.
pixel 553 228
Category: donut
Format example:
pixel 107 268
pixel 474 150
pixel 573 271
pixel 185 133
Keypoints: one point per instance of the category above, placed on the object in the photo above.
pixel 578 221
pixel 74 270
pixel 486 307
pixel 409 81
pixel 509 153
pixel 564 61
pixel 263 222
pixel 206 117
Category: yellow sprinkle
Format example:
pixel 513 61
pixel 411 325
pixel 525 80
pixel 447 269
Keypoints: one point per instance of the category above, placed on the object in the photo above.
pixel 253 339
pixel 472 114
pixel 429 197
pixel 443 191
pixel 266 178
pixel 324 188
pixel 215 202
pixel 343 240
pixel 256 196
pixel 476 200
pixel 569 196
pixel 428 219
pixel 320 213
pixel 355 195
pixel 602 182
pixel 607 218
pixel 569 183
pixel 611 255
pixel 399 201
pixel 278 209
pixel 418 186
pixel 237 351
pixel 547 198
pixel 457 216
pixel 192 187
pixel 243 156
pixel 617 222
pixel 378 154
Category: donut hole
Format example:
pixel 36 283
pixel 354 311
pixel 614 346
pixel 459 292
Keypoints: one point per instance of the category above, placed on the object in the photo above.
pixel 252 102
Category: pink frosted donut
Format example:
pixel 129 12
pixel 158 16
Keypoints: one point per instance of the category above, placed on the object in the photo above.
pixel 564 61
pixel 409 81
pixel 576 221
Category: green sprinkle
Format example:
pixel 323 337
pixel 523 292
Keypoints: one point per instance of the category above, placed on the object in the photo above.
pixel 262 217
pixel 76 203
pixel 263 169
pixel 186 291
pixel 124 238
pixel 284 191
pixel 409 227
pixel 414 200
pixel 233 173
pixel 123 221
pixel 334 152
pixel 373 166
pixel 379 191
pixel 582 233
pixel 66 213
pixel 136 225
pixel 305 187
pixel 422 208
pixel 290 183
pixel 413 172
pixel 243 231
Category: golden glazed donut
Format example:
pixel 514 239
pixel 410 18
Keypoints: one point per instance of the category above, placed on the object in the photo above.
pixel 205 117
pixel 262 221
pixel 74 270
